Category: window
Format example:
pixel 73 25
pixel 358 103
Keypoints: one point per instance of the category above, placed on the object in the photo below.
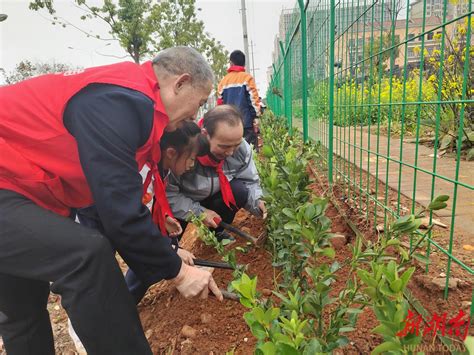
pixel 434 8
pixel 430 36
pixel 411 36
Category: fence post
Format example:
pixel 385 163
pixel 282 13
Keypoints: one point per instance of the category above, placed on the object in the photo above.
pixel 275 85
pixel 304 70
pixel 285 82
pixel 289 89
pixel 332 30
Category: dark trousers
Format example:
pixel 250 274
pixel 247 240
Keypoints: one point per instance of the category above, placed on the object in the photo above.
pixel 251 137
pixel 90 218
pixel 38 247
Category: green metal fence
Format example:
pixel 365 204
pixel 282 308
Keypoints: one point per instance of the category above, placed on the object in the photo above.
pixel 387 87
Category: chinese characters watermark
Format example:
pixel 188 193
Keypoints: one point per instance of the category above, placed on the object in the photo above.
pixel 458 326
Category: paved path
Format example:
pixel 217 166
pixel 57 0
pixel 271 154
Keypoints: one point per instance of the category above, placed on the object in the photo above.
pixel 445 168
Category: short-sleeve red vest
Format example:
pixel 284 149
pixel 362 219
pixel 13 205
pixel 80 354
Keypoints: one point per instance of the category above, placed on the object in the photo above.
pixel 38 157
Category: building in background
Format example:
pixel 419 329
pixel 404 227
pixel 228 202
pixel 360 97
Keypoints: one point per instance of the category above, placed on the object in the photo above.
pixel 361 28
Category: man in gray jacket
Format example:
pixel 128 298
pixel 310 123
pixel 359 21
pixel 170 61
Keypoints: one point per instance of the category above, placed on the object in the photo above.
pixel 224 180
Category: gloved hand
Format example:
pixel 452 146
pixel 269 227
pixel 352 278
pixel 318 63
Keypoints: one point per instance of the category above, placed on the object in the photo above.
pixel 192 281
pixel 173 227
pixel 186 256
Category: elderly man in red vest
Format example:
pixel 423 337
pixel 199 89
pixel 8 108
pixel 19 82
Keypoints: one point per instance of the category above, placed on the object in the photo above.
pixel 71 140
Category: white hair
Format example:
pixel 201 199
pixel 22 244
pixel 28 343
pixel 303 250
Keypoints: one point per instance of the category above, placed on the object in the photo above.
pixel 185 60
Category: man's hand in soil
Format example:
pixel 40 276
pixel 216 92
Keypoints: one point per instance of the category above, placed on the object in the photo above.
pixel 263 209
pixel 186 256
pixel 210 218
pixel 192 281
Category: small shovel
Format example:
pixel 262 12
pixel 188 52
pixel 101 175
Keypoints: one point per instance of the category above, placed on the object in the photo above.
pixel 255 241
pixel 214 264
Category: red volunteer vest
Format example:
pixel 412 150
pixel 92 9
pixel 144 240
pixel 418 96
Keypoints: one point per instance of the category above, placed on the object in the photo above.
pixel 38 156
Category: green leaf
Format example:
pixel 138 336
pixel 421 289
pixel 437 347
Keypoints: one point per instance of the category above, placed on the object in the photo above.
pixel 396 285
pixel 346 329
pixel 421 258
pixel 329 252
pixel 271 314
pixel 286 349
pixel 321 287
pixel 289 213
pixel 258 331
pixel 403 253
pixel 442 198
pixel 388 324
pixel 383 330
pixel 334 267
pixel 412 339
pixel 259 314
pixel 313 347
pixel 246 303
pixel 249 318
pixel 268 348
pixel 308 233
pixel 435 206
pixel 267 151
pixel 292 226
pixel 469 343
pixel 385 347
pixel 438 203
pixel 386 291
pixel 282 338
pixel 366 278
pixel 342 341
pixel 400 315
pixel 325 222
pixel 393 242
pixel 392 269
pixel 309 212
pixel 354 310
pixel 406 276
pixel 246 290
pixel 225 242
pixel 403 222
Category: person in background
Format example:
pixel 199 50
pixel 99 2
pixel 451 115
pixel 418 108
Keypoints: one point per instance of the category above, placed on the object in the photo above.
pixel 223 180
pixel 238 88
pixel 78 139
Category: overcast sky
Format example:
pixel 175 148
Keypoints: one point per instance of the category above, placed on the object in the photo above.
pixel 27 34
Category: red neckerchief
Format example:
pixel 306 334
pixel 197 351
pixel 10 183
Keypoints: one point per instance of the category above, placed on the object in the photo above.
pixel 235 68
pixel 226 190
pixel 161 207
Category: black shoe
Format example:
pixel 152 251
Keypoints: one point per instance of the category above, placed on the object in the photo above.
pixel 224 235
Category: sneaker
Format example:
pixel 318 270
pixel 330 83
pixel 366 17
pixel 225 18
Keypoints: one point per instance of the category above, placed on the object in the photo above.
pixel 223 235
